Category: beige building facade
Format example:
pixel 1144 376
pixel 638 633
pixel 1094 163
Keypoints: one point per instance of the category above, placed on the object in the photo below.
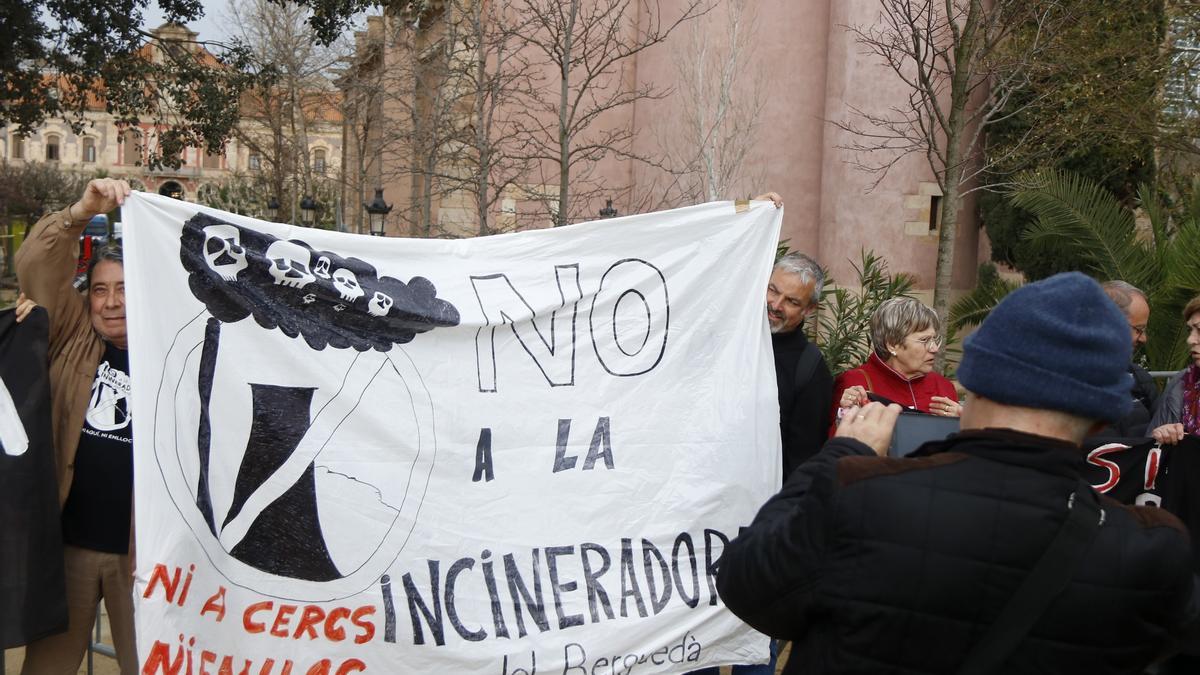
pixel 121 151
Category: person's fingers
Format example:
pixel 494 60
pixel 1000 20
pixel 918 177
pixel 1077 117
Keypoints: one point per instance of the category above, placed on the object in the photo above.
pixel 1173 433
pixel 24 307
pixel 849 418
pixel 1168 434
pixel 773 197
pixel 871 424
pixel 878 413
pixel 944 405
pixel 112 191
pixel 103 195
pixel 869 412
pixel 121 190
pixel 891 413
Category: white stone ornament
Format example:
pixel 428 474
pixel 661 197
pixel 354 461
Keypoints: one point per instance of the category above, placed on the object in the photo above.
pixel 223 251
pixel 290 264
pixel 321 269
pixel 347 285
pixel 380 304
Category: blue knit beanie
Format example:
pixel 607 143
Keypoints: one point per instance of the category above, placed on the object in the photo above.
pixel 1058 344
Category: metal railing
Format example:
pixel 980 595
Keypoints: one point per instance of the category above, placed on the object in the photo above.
pixel 97 646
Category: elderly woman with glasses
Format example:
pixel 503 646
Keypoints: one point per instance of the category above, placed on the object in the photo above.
pixel 904 340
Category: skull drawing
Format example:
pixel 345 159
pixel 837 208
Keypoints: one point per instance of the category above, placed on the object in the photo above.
pixel 289 264
pixel 347 285
pixel 321 269
pixel 223 251
pixel 380 304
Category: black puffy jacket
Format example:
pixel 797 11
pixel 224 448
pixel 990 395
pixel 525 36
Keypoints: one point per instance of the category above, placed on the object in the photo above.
pixel 883 565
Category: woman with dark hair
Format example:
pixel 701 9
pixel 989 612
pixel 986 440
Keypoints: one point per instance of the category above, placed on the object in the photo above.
pixel 904 341
pixel 1178 411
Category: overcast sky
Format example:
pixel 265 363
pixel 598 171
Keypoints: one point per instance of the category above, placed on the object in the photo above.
pixel 215 24
pixel 212 26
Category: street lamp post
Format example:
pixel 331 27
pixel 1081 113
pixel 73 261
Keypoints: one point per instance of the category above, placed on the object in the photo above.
pixel 377 211
pixel 608 211
pixel 273 209
pixel 308 210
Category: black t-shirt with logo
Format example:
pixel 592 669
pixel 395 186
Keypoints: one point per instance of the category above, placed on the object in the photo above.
pixel 97 513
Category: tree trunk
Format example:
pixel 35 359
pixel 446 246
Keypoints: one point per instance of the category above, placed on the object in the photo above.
pixel 947 238
pixel 564 138
pixel 965 57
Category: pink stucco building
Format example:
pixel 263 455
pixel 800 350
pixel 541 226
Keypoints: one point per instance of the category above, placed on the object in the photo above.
pixel 798 67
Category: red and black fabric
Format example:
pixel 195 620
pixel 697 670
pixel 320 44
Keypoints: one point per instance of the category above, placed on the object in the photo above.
pixel 1136 471
pixel 32 592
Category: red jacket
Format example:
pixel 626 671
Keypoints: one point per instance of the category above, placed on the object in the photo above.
pixel 880 378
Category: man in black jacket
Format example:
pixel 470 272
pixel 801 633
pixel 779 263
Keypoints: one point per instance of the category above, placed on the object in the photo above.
pixel 1132 303
pixel 803 378
pixel 805 383
pixel 873 564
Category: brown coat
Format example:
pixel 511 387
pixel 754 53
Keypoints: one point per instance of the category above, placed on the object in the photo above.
pixel 45 270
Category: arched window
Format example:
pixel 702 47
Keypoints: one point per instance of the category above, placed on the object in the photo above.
pixel 131 141
pixel 171 189
pixel 318 161
pixel 53 150
pixel 89 150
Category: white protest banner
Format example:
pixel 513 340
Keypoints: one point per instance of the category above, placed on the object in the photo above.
pixel 512 455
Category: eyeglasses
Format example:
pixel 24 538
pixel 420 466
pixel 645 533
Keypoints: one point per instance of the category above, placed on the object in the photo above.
pixel 1139 331
pixel 929 343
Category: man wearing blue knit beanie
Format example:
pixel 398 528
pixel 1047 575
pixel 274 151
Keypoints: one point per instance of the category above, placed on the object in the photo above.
pixel 986 552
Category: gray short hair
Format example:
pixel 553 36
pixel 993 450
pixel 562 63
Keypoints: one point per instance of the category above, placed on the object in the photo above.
pixel 807 269
pixel 111 252
pixel 896 319
pixel 1122 292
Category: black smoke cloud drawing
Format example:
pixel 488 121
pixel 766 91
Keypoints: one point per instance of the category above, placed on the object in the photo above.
pixel 281 504
pixel 327 299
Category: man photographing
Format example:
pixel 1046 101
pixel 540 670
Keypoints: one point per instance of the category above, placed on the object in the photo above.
pixel 986 552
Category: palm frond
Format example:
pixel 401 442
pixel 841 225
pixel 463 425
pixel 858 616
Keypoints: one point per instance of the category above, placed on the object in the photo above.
pixel 974 307
pixel 1079 219
pixel 1193 202
pixel 1160 219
